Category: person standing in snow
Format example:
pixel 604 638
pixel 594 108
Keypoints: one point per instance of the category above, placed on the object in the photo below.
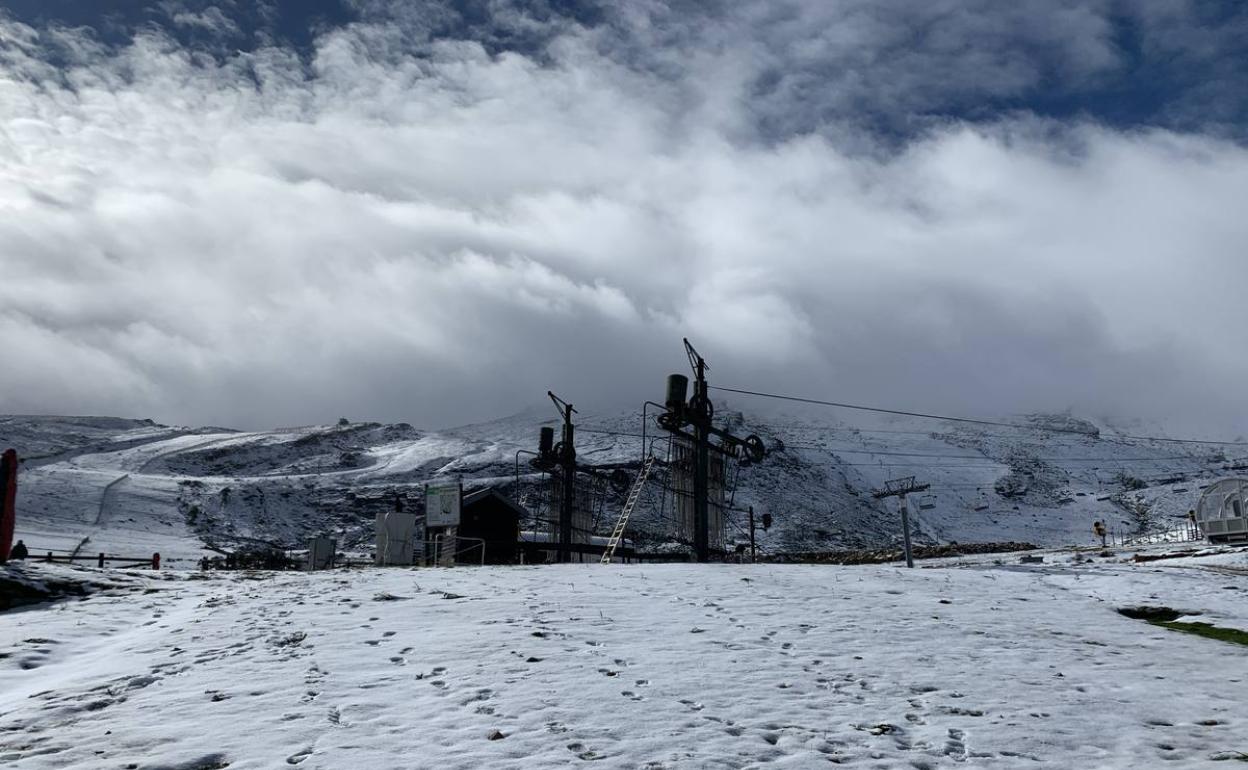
pixel 18 551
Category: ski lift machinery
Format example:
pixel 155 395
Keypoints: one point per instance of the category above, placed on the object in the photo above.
pixel 699 462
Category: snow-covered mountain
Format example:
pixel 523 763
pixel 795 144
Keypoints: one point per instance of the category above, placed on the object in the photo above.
pixel 133 487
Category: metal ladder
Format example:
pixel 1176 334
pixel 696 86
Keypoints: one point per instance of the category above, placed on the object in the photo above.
pixel 634 494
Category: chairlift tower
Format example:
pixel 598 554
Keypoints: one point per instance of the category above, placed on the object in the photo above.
pixel 899 488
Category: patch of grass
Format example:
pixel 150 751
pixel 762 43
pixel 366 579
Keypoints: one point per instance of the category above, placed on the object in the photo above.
pixel 1208 630
pixel 1168 618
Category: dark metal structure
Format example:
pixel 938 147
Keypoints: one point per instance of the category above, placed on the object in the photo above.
pixel 700 454
pixel 559 459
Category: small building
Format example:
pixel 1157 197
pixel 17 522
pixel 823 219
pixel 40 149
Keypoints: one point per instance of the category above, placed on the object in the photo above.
pixel 1222 513
pixel 490 516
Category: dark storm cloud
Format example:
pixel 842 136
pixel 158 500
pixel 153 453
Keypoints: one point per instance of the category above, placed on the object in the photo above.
pixel 434 212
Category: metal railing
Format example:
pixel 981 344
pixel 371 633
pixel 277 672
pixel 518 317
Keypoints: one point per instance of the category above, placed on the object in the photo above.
pixel 1184 534
pixel 102 559
pixel 438 542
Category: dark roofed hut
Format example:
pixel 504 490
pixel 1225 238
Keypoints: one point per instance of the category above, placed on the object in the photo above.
pixel 489 515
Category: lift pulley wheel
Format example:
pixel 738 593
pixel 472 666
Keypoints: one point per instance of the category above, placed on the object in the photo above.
pixel 702 407
pixel 755 450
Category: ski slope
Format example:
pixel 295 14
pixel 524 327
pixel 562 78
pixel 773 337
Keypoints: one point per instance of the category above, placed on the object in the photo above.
pixel 670 666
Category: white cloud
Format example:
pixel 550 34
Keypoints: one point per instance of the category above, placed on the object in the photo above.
pixel 211 19
pixel 440 235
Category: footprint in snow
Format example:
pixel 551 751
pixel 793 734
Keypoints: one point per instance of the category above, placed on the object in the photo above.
pixel 582 752
pixel 482 694
pixel 299 756
pixel 955 747
pixel 139 682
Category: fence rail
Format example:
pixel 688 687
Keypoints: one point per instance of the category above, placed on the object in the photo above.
pixel 1185 534
pixel 440 549
pixel 100 560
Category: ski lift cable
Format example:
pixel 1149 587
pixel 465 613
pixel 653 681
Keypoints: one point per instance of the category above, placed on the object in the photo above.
pixel 839 450
pixel 970 420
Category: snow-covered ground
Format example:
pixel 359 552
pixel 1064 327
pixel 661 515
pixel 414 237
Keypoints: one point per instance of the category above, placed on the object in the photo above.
pixel 672 666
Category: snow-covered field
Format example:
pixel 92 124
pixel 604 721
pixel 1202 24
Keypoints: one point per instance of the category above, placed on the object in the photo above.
pixel 669 666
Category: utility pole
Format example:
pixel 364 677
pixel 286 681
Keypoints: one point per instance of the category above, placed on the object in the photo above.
pixel 753 550
pixel 899 488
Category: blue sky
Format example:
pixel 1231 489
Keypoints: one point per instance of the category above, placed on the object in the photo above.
pixel 273 213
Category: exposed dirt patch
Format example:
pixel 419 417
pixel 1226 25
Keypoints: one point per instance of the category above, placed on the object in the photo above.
pixel 1152 614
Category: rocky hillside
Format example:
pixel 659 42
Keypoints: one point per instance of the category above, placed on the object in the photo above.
pixel 127 486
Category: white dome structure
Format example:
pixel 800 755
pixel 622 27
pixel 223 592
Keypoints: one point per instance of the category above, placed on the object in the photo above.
pixel 1222 512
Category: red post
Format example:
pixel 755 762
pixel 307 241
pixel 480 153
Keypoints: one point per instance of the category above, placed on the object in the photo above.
pixel 8 501
pixel 156 561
